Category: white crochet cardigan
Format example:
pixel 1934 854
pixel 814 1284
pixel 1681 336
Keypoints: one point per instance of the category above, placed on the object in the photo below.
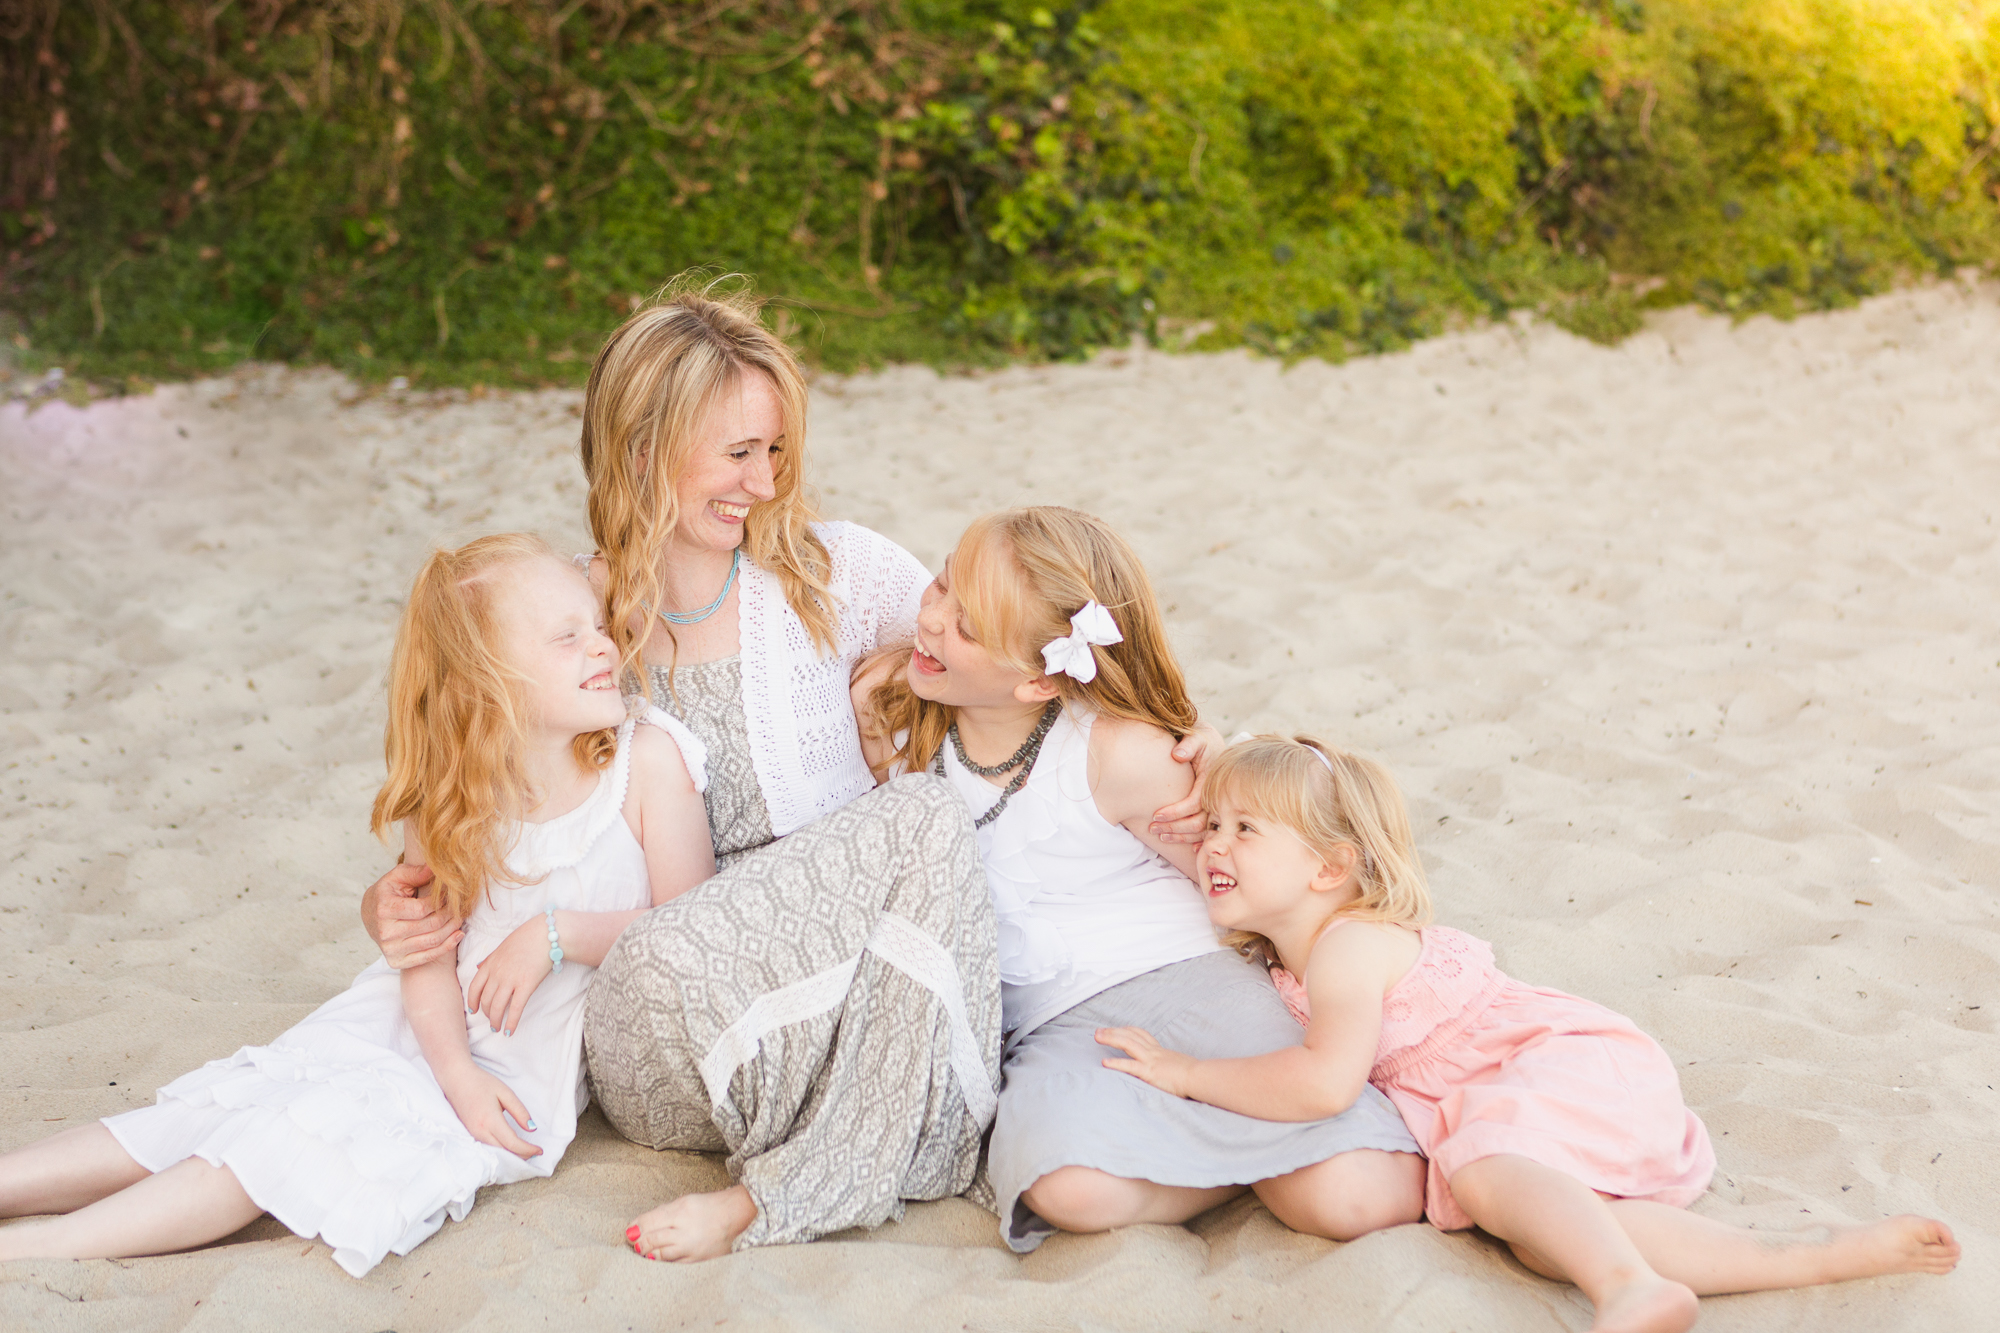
pixel 804 739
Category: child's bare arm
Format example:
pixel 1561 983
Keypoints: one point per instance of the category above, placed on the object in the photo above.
pixel 1133 774
pixel 436 1011
pixel 673 819
pixel 878 746
pixel 1345 981
pixel 1185 820
pixel 667 816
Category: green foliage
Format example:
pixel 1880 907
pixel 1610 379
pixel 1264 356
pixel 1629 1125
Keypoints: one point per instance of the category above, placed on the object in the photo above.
pixel 478 189
pixel 1799 155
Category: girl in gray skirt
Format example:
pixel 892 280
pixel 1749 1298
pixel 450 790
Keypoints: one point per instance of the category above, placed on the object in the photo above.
pixel 1042 688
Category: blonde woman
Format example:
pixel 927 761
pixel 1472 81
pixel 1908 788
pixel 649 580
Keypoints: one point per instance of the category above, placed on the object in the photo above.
pixel 848 931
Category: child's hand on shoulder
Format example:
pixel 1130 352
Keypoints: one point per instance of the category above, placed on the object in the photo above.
pixel 509 975
pixel 1147 1060
pixel 483 1104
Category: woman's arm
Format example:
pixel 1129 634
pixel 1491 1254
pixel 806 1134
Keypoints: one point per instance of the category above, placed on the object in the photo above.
pixel 1133 774
pixel 403 921
pixel 885 582
pixel 1345 981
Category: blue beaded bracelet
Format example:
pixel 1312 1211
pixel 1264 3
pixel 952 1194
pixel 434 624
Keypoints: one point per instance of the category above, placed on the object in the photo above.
pixel 555 946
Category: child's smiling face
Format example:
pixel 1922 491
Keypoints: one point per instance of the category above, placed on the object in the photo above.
pixel 1253 870
pixel 553 633
pixel 947 665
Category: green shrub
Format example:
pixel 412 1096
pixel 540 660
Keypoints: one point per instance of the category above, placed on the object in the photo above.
pixel 478 189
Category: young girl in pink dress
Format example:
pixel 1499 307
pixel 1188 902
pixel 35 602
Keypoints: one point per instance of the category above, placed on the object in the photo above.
pixel 1551 1122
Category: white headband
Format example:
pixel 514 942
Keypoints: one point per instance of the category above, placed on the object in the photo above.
pixel 1071 656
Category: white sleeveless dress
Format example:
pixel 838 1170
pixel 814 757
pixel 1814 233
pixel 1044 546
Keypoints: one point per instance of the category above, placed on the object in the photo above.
pixel 338 1129
pixel 1081 903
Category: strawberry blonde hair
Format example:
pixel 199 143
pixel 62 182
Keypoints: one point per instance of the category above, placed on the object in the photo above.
pixel 652 387
pixel 457 723
pixel 1020 575
pixel 1329 798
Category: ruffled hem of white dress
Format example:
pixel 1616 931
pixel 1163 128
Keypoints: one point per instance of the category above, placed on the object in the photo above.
pixel 368 1157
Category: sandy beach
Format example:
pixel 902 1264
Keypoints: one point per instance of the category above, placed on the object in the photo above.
pixel 1686 651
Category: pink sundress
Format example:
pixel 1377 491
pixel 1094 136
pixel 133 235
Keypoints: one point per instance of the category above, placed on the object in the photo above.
pixel 1480 1065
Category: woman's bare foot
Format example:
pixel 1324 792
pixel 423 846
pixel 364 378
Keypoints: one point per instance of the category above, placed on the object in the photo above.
pixel 1906 1244
pixel 1651 1304
pixel 694 1226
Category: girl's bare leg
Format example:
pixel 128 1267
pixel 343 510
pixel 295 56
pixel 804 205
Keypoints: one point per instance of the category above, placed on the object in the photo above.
pixel 1562 1221
pixel 1713 1257
pixel 1080 1198
pixel 190 1203
pixel 1349 1195
pixel 64 1172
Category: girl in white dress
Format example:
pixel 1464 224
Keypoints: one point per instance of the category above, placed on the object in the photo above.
pixel 544 813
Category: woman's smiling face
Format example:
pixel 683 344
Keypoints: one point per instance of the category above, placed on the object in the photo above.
pixel 731 466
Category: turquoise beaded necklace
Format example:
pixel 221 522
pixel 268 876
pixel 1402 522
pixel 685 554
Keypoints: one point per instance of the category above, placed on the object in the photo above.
pixel 696 617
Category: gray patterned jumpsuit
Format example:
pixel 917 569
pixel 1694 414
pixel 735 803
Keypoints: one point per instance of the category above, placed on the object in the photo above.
pixel 826 1010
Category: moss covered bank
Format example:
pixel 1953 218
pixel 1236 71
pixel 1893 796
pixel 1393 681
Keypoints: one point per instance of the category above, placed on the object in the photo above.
pixel 459 190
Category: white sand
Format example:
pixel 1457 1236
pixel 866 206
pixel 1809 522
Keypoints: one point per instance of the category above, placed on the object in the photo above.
pixel 1688 653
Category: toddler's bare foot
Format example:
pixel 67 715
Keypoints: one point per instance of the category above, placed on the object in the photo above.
pixel 1906 1244
pixel 694 1226
pixel 1650 1305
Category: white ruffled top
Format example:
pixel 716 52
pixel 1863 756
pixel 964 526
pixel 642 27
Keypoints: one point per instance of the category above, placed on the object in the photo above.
pixel 1081 903
pixel 797 709
pixel 804 740
pixel 338 1129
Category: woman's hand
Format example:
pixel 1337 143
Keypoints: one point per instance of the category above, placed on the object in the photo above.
pixel 509 975
pixel 1185 820
pixel 1147 1060
pixel 483 1104
pixel 404 921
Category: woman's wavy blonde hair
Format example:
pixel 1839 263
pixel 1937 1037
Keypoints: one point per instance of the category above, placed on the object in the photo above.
pixel 1020 575
pixel 653 385
pixel 457 721
pixel 1330 798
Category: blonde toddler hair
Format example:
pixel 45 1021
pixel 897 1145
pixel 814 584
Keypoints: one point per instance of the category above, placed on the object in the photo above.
pixel 457 723
pixel 653 385
pixel 1330 798
pixel 1021 574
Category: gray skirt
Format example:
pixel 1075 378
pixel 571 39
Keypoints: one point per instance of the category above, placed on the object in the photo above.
pixel 1059 1106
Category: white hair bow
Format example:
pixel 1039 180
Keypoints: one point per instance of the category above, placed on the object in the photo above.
pixel 1072 656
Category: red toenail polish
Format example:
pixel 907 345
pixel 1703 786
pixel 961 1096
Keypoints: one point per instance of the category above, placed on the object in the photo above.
pixel 632 1233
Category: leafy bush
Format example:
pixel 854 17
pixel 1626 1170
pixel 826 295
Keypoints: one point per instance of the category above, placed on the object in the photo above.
pixel 477 189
